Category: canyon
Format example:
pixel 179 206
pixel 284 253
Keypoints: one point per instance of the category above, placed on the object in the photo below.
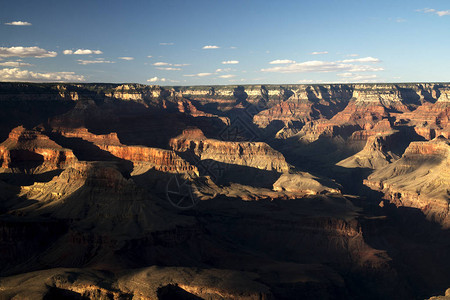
pixel 130 191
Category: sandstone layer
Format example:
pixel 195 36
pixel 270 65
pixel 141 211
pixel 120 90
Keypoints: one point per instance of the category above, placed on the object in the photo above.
pixel 419 179
pixel 32 149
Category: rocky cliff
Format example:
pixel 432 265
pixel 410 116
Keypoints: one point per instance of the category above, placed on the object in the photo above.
pixel 32 149
pixel 376 153
pixel 418 179
pixel 251 154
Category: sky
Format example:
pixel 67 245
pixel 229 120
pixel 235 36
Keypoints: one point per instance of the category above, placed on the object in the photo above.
pixel 218 42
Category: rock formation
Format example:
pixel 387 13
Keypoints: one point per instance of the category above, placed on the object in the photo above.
pixel 418 179
pixel 376 154
pixel 251 154
pixel 31 149
pixel 88 207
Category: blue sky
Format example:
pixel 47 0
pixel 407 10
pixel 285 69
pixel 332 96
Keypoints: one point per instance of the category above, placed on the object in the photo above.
pixel 196 42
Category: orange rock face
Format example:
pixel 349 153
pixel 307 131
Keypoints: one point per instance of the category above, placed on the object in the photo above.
pixel 250 154
pixel 159 159
pixel 25 145
pixel 430 120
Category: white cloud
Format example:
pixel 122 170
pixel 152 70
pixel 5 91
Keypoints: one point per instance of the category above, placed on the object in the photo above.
pixel 14 64
pixel 149 56
pixel 210 47
pixel 223 70
pixel 364 68
pixel 400 20
pixel 204 74
pixel 230 62
pixel 155 79
pixel 443 13
pixel 227 76
pixel 360 78
pixel 169 69
pixel 319 52
pixel 26 52
pixel 160 64
pixel 82 52
pixel 166 44
pixel 199 75
pixel 282 61
pixel 346 74
pixel 352 55
pixel 18 23
pixel 309 81
pixel 87 51
pixel 89 62
pixel 362 59
pixel 15 74
pixel 232 47
pixel 321 66
pixel 126 58
pixel 440 13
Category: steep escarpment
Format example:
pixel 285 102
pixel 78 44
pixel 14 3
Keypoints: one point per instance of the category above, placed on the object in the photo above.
pixel 376 153
pixel 225 97
pixel 251 154
pixel 31 149
pixel 418 179
pixel 97 198
pixel 306 103
pixel 431 119
pixel 142 157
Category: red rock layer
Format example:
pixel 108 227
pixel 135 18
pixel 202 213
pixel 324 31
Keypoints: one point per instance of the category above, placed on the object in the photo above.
pixel 431 119
pixel 250 154
pixel 159 159
pixel 25 145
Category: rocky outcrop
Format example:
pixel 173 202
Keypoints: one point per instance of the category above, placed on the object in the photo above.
pixel 305 184
pixel 147 283
pixel 418 179
pixel 97 198
pixel 32 149
pixel 143 157
pixel 431 119
pixel 307 103
pixel 251 154
pixel 375 155
pixel 446 296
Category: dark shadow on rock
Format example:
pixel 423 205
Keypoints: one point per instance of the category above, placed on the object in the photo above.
pixel 22 239
pixel 25 159
pixel 413 242
pixel 224 174
pixel 174 292
pixel 21 179
pixel 409 96
pixel 55 293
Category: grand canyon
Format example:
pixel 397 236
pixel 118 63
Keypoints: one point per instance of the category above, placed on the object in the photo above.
pixel 131 191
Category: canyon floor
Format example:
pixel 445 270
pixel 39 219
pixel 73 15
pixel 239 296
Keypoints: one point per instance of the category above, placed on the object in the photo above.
pixel 129 191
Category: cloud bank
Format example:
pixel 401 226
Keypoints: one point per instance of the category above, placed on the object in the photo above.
pixel 18 23
pixel 230 62
pixel 15 74
pixel 155 79
pixel 317 66
pixel 82 52
pixel 210 47
pixel 26 52
pixel 440 13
